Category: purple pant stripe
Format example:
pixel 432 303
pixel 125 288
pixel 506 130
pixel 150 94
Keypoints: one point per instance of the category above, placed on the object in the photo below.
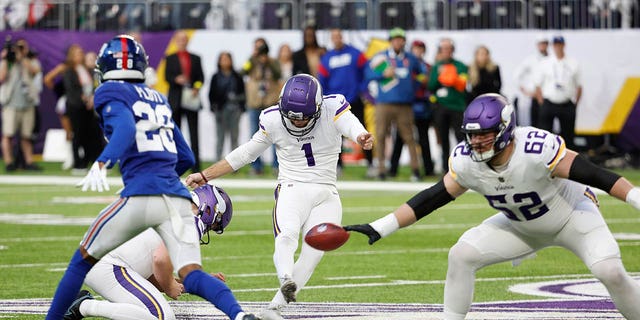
pixel 127 282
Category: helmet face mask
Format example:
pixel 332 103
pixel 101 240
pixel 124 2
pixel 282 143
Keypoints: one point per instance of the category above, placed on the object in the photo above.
pixel 121 58
pixel 300 100
pixel 488 113
pixel 214 209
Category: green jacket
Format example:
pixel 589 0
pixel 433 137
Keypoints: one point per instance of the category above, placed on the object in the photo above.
pixel 451 96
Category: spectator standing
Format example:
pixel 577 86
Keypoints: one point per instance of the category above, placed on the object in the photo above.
pixel 396 72
pixel 422 114
pixel 20 87
pixel 307 59
pixel 448 80
pixel 227 101
pixel 341 71
pixel 53 81
pixel 558 90
pixel 78 84
pixel 262 89
pixel 484 74
pixel 525 78
pixel 184 75
pixel 285 58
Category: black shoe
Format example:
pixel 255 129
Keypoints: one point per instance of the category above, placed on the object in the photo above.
pixel 32 167
pixel 10 167
pixel 73 313
pixel 249 316
pixel 382 177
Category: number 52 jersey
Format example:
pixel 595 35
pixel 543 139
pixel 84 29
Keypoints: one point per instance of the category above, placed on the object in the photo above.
pixel 523 189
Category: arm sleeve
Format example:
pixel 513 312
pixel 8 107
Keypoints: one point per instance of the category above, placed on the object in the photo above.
pixel 429 200
pixel 584 171
pixel 120 121
pixel 186 159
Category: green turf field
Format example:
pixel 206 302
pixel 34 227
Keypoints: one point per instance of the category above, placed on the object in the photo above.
pixel 41 225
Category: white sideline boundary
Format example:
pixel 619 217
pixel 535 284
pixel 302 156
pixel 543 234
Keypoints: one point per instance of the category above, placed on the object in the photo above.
pixel 224 183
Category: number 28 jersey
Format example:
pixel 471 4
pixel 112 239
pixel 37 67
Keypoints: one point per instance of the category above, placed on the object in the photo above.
pixel 524 189
pixel 142 138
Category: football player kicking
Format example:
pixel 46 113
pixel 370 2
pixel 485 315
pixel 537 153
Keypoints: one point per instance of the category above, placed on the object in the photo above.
pixel 132 276
pixel 306 129
pixel 152 155
pixel 541 191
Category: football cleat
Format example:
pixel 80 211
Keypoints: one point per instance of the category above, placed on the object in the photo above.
pixel 250 316
pixel 288 290
pixel 73 313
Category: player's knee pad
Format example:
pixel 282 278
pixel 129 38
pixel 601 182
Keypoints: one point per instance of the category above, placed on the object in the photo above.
pixel 463 254
pixel 610 272
pixel 287 239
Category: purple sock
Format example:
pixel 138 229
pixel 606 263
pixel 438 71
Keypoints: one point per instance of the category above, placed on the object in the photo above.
pixel 69 286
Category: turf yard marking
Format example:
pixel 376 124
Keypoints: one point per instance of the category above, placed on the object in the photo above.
pixel 380 276
pixel 532 309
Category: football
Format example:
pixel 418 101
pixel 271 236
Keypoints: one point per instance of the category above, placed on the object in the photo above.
pixel 326 236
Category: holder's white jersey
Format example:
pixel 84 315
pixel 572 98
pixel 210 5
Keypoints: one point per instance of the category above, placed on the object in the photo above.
pixel 310 158
pixel 524 190
pixel 136 254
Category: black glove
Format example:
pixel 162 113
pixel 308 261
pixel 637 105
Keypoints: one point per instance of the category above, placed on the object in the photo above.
pixel 365 229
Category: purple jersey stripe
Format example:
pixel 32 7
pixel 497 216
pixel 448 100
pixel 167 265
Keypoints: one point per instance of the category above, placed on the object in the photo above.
pixel 342 108
pixel 274 108
pixel 560 143
pixel 276 228
pixel 127 282
pixel 102 220
pixel 261 127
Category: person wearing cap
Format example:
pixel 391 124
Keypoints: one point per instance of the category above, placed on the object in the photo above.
pixel 422 115
pixel 397 75
pixel 341 70
pixel 558 91
pixel 448 81
pixel 524 77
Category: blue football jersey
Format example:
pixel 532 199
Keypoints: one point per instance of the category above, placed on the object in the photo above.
pixel 142 137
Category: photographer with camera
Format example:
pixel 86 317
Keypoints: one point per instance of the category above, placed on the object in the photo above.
pixel 20 87
pixel 262 88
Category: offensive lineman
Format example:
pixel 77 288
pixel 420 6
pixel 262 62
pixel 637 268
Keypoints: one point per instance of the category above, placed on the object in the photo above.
pixel 540 189
pixel 152 155
pixel 306 129
pixel 132 276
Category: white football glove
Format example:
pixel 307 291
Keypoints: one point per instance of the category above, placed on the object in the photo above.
pixel 96 179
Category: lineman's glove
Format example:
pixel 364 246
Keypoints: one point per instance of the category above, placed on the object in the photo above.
pixel 96 179
pixel 365 229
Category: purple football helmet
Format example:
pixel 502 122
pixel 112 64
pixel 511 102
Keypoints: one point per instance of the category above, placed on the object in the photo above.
pixel 489 112
pixel 214 208
pixel 121 58
pixel 300 99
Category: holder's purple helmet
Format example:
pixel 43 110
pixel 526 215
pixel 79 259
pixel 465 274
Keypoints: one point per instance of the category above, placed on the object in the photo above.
pixel 214 208
pixel 121 58
pixel 489 112
pixel 300 99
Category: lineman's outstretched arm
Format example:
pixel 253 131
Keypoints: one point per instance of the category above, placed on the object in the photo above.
pixel 419 206
pixel 579 169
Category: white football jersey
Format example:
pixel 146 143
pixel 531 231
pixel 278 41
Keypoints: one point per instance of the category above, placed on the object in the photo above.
pixel 136 254
pixel 314 156
pixel 524 189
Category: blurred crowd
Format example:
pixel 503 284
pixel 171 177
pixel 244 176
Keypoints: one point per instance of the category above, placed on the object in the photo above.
pixel 154 15
pixel 416 105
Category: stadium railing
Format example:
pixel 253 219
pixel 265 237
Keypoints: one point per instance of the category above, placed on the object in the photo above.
pixel 149 15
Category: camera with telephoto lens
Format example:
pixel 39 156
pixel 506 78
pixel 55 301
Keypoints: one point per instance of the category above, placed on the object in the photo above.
pixel 11 53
